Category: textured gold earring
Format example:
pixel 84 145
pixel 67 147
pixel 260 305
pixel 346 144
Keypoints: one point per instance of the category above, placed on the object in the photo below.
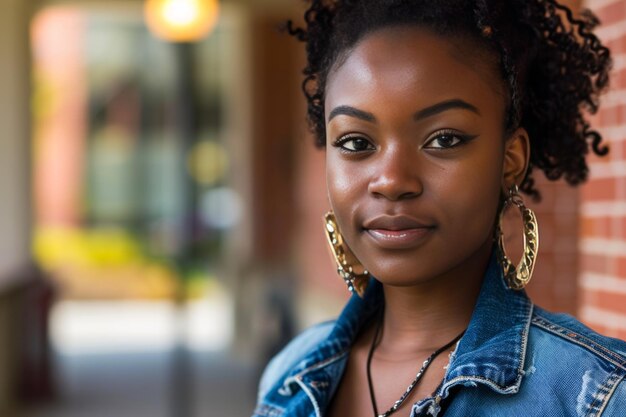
pixel 518 277
pixel 354 274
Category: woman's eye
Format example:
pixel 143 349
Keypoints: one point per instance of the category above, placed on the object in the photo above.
pixel 355 144
pixel 446 140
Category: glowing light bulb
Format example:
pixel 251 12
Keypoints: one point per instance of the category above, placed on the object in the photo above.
pixel 181 20
pixel 180 13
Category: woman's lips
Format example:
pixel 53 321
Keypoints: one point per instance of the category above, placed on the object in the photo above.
pixel 399 239
pixel 400 231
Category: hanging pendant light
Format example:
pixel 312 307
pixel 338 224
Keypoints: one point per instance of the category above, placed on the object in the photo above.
pixel 181 20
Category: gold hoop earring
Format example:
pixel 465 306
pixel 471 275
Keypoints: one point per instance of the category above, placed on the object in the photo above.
pixel 518 277
pixel 356 281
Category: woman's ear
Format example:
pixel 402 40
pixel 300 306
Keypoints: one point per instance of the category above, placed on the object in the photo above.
pixel 516 158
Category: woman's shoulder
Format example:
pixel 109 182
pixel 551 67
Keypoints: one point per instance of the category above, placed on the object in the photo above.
pixel 295 351
pixel 567 327
pixel 569 358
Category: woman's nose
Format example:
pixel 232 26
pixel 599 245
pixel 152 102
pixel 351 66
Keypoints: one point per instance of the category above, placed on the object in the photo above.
pixel 396 176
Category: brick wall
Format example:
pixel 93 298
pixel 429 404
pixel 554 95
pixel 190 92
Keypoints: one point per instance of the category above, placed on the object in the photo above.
pixel 602 244
pixel 554 283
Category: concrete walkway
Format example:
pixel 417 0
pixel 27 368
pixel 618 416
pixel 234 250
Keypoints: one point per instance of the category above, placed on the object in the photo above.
pixel 116 359
pixel 140 385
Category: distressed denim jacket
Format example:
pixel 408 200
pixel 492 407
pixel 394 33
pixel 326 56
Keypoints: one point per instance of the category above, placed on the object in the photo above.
pixel 515 359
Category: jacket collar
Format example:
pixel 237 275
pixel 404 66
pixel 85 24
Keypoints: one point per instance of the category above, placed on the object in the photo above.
pixel 491 352
pixel 356 314
pixel 493 348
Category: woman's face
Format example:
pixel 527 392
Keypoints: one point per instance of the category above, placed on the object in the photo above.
pixel 416 157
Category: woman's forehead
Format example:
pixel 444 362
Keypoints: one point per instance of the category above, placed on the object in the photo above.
pixel 413 62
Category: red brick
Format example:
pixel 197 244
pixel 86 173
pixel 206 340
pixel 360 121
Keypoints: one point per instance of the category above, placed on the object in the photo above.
pixel 565 222
pixel 544 271
pixel 622 108
pixel 616 153
pixel 588 298
pixel 617 45
pixel 621 45
pixel 618 80
pixel 623 228
pixel 565 286
pixel 613 45
pixel 598 328
pixel 620 266
pixel 594 119
pixel 613 332
pixel 620 188
pixel 611 13
pixel 595 227
pixel 567 201
pixel 588 227
pixel 599 189
pixel 606 300
pixel 593 158
pixel 547 232
pixel 609 116
pixel 620 334
pixel 613 115
pixel 593 263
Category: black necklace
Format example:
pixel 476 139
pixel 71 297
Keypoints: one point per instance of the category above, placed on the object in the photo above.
pixel 415 381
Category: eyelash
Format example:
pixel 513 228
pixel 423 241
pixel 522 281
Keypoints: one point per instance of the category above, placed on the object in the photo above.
pixel 339 143
pixel 463 139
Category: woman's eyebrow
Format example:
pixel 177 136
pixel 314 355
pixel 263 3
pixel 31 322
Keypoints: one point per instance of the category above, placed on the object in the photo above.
pixel 443 106
pixel 351 111
pixel 422 114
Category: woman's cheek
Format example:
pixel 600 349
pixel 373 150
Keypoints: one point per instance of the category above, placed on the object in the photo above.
pixel 343 177
pixel 473 199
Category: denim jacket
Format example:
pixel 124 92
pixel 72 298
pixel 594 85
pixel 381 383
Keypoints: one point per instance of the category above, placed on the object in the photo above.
pixel 515 359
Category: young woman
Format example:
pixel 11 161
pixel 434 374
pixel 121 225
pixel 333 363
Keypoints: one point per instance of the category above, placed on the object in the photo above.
pixel 434 114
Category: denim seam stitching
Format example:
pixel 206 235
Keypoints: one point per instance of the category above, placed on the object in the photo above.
pixel 599 396
pixel 582 341
pixel 538 319
pixel 261 410
pixel 314 366
pixel 525 334
pixel 609 386
pixel 490 382
pixel 321 364
pixel 493 384
pixel 309 394
pixel 298 377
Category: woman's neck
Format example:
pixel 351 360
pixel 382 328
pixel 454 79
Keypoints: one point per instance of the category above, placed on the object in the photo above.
pixel 421 318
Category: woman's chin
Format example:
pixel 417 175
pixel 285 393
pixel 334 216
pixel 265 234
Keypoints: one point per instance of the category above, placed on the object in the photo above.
pixel 403 279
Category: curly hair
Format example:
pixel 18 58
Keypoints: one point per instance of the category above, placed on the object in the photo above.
pixel 552 65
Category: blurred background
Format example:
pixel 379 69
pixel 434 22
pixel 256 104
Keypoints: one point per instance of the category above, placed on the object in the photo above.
pixel 161 204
